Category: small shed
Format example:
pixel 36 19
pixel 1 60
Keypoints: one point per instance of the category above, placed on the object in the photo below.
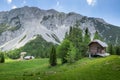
pixel 97 48
pixel 22 54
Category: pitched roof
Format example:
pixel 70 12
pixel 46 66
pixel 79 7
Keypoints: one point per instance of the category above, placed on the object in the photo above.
pixel 103 44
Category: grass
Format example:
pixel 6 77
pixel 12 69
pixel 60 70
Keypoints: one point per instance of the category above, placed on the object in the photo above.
pixel 85 69
pixel 18 68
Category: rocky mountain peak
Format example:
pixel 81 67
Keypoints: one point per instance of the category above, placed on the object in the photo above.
pixel 20 25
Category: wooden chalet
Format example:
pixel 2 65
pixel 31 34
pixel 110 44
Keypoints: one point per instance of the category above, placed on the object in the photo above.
pixel 97 48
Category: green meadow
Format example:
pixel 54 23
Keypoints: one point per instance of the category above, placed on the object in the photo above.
pixel 107 68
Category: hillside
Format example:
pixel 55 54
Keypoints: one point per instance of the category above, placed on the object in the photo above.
pixel 19 26
pixel 107 68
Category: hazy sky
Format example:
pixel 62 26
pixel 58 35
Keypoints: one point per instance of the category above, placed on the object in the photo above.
pixel 109 10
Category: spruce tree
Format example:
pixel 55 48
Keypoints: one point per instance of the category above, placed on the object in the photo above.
pixel 97 36
pixel 53 58
pixel 116 50
pixel 63 49
pixel 111 49
pixel 85 43
pixel 75 36
pixel 2 58
pixel 71 54
pixel 87 36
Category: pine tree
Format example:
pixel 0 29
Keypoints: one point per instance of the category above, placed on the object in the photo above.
pixel 2 58
pixel 87 36
pixel 71 54
pixel 97 36
pixel 117 50
pixel 53 58
pixel 75 36
pixel 63 49
pixel 111 49
pixel 85 42
pixel 79 41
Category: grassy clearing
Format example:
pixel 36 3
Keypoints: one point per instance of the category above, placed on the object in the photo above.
pixel 17 69
pixel 85 69
pixel 90 69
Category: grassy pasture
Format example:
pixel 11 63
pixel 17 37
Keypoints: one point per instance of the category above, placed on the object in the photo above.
pixel 107 68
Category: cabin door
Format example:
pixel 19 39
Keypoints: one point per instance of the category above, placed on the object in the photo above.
pixel 98 50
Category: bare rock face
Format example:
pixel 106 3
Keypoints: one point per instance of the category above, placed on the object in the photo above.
pixel 19 26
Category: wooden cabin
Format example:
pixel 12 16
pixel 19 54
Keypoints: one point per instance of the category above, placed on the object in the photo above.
pixel 97 48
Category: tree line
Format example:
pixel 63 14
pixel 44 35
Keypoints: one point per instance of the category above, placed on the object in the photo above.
pixel 113 49
pixel 75 46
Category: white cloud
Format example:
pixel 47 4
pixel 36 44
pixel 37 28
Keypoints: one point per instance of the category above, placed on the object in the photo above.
pixel 58 6
pixel 13 7
pixel 9 1
pixel 58 3
pixel 24 2
pixel 91 2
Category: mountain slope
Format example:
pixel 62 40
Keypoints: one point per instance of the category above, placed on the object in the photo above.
pixel 19 26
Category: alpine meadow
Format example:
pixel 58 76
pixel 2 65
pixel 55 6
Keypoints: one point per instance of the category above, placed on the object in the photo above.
pixel 59 40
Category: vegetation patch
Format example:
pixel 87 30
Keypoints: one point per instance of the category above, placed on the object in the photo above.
pixel 46 17
pixel 56 38
pixel 37 48
pixel 48 35
pixel 3 27
pixel 14 28
pixel 22 39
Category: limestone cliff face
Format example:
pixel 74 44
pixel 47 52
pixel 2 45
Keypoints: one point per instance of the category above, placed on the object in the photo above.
pixel 19 26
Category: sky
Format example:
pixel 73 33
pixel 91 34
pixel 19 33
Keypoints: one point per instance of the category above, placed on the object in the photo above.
pixel 109 10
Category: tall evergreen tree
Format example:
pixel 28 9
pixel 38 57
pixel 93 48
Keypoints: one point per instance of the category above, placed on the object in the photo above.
pixel 75 36
pixel 87 36
pixel 63 49
pixel 85 43
pixel 97 36
pixel 71 54
pixel 53 58
pixel 2 58
pixel 117 50
pixel 111 49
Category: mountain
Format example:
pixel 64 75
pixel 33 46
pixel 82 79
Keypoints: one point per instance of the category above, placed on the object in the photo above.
pixel 19 26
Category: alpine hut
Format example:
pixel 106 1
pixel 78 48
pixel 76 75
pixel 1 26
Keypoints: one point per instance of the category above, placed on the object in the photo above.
pixel 97 48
